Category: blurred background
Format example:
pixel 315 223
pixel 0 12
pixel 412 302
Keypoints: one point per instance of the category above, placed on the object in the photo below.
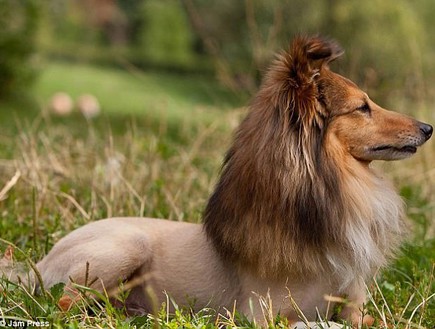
pixel 86 71
pixel 54 45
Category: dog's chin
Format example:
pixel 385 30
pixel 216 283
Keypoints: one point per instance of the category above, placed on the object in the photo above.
pixel 389 152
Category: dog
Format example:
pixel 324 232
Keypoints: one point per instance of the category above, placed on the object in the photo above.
pixel 297 214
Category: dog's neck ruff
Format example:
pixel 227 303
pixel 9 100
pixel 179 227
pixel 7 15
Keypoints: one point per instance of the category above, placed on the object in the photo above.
pixel 351 248
pixel 278 212
pixel 373 226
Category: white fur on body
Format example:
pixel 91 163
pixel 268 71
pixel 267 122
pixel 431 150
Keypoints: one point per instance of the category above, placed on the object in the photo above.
pixel 175 258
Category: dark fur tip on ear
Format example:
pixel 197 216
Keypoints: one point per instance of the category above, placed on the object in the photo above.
pixel 318 48
pixel 316 51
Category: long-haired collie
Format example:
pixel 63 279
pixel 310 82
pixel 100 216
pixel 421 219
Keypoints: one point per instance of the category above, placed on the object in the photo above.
pixel 297 211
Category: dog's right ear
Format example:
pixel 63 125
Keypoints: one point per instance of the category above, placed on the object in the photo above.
pixel 309 55
pixel 291 82
pixel 321 51
pixel 294 74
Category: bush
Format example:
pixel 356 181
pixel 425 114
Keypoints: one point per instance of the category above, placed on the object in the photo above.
pixel 165 38
pixel 18 21
pixel 384 39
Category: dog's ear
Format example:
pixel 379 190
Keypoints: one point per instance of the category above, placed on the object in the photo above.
pixel 296 73
pixel 291 82
pixel 321 51
pixel 309 55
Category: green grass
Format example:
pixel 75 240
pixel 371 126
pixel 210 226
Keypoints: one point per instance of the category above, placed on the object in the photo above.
pixel 165 166
pixel 135 92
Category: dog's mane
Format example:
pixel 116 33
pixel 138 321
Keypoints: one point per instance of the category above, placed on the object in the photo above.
pixel 285 202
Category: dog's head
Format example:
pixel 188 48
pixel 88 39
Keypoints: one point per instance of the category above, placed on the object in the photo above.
pixel 315 97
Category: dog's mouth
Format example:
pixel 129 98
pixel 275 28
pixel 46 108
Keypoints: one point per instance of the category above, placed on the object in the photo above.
pixel 407 149
pixel 387 152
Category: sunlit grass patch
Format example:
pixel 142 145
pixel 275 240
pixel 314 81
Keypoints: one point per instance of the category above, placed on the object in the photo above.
pixel 136 92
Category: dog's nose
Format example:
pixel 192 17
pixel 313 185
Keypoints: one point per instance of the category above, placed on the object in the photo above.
pixel 427 130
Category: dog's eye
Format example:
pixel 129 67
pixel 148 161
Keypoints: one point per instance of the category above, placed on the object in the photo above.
pixel 364 108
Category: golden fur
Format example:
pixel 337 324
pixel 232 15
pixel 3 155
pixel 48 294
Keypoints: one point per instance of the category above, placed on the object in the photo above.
pixel 297 207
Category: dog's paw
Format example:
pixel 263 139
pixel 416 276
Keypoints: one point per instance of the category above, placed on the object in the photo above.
pixel 316 325
pixel 68 299
pixel 359 321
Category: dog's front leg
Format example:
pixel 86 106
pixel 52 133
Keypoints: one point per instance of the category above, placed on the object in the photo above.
pixel 354 311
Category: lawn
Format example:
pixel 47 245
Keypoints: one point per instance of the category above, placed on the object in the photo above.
pixel 156 151
pixel 134 92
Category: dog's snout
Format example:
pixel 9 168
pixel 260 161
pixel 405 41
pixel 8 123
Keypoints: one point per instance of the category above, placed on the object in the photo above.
pixel 426 129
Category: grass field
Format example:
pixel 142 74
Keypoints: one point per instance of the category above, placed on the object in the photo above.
pixel 156 151
pixel 132 92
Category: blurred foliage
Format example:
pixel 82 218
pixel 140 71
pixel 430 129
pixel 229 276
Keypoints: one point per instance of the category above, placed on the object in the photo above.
pixel 165 37
pixel 389 47
pixel 419 212
pixel 18 21
pixel 146 33
pixel 385 40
